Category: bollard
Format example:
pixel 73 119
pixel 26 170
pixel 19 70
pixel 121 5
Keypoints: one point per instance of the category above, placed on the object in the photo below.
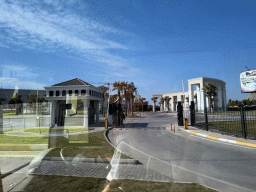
pixel 106 123
pixel 186 123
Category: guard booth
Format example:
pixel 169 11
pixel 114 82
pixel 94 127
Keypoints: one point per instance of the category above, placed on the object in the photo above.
pixel 76 93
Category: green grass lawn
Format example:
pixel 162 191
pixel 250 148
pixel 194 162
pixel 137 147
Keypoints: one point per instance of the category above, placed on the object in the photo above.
pixel 93 146
pixel 68 183
pixel 46 130
pixel 5 139
pixel 9 114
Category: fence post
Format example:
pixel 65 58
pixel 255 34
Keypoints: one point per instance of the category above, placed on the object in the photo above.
pixel 180 114
pixel 192 113
pixel 243 121
pixel 206 119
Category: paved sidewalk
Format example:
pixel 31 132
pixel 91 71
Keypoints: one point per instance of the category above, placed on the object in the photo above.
pixel 219 136
pixel 99 170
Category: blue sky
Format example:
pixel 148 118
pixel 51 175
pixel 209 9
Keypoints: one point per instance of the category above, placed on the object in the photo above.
pixel 155 44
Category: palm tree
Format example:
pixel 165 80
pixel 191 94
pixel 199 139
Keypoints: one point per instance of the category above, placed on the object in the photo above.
pixel 119 86
pixel 142 102
pixel 154 99
pixel 16 99
pixel 210 92
pixel 131 88
pixel 161 102
pixel 105 95
pixel 167 99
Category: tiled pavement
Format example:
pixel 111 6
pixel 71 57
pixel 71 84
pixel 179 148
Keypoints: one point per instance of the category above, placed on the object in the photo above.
pixel 99 170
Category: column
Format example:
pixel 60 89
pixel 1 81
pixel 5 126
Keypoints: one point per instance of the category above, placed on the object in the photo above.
pixel 191 92
pixel 173 107
pixel 52 113
pixel 164 105
pixel 220 97
pixel 154 107
pixel 86 112
pixel 68 101
pixel 203 100
pixel 198 100
pixel 97 112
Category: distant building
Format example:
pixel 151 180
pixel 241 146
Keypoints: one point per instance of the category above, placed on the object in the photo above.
pixel 200 99
pixel 8 93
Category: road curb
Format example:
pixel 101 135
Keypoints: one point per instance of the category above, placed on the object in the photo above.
pixel 221 139
pixel 122 161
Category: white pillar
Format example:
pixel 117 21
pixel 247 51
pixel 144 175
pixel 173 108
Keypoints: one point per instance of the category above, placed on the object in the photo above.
pixel 202 100
pixel 198 100
pixel 97 112
pixel 52 113
pixel 68 101
pixel 154 107
pixel 164 105
pixel 86 112
pixel 173 106
pixel 191 92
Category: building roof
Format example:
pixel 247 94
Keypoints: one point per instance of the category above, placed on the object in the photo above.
pixel 252 97
pixel 75 81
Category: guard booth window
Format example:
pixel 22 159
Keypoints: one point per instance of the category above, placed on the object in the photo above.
pixel 83 92
pixel 57 93
pixel 76 92
pixel 70 92
pixel 63 93
pixel 50 93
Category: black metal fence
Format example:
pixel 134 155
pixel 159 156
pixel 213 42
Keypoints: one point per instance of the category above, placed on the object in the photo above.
pixel 238 121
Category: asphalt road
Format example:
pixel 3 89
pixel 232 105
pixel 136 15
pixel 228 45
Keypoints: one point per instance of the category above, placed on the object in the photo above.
pixel 185 157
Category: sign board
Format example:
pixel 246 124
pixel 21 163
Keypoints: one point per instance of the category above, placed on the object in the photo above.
pixel 248 81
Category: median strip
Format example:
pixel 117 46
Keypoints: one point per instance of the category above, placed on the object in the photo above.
pixel 222 139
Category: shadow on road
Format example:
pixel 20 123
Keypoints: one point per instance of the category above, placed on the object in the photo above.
pixel 135 125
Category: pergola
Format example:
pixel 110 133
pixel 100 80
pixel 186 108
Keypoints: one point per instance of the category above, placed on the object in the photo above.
pixel 74 89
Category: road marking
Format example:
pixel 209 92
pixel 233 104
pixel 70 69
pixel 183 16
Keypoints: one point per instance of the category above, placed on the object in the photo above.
pixel 211 137
pixel 222 139
pixel 185 169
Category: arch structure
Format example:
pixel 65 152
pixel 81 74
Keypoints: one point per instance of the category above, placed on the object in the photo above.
pixel 195 93
pixel 70 92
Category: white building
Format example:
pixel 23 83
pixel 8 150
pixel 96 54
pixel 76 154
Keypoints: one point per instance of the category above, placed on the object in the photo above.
pixel 70 92
pixel 195 87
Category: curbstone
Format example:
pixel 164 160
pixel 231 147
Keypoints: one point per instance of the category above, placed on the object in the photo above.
pixel 222 139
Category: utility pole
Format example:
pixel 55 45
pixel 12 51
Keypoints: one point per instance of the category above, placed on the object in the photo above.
pixel 37 102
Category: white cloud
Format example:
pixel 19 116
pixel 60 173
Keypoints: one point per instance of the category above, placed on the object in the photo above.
pixel 15 82
pixel 56 29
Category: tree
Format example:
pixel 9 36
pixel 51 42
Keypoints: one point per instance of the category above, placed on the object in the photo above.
pixel 210 92
pixel 131 89
pixel 16 99
pixel 32 98
pixel 119 86
pixel 161 102
pixel 105 96
pixel 2 99
pixel 154 99
pixel 167 100
pixel 142 103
